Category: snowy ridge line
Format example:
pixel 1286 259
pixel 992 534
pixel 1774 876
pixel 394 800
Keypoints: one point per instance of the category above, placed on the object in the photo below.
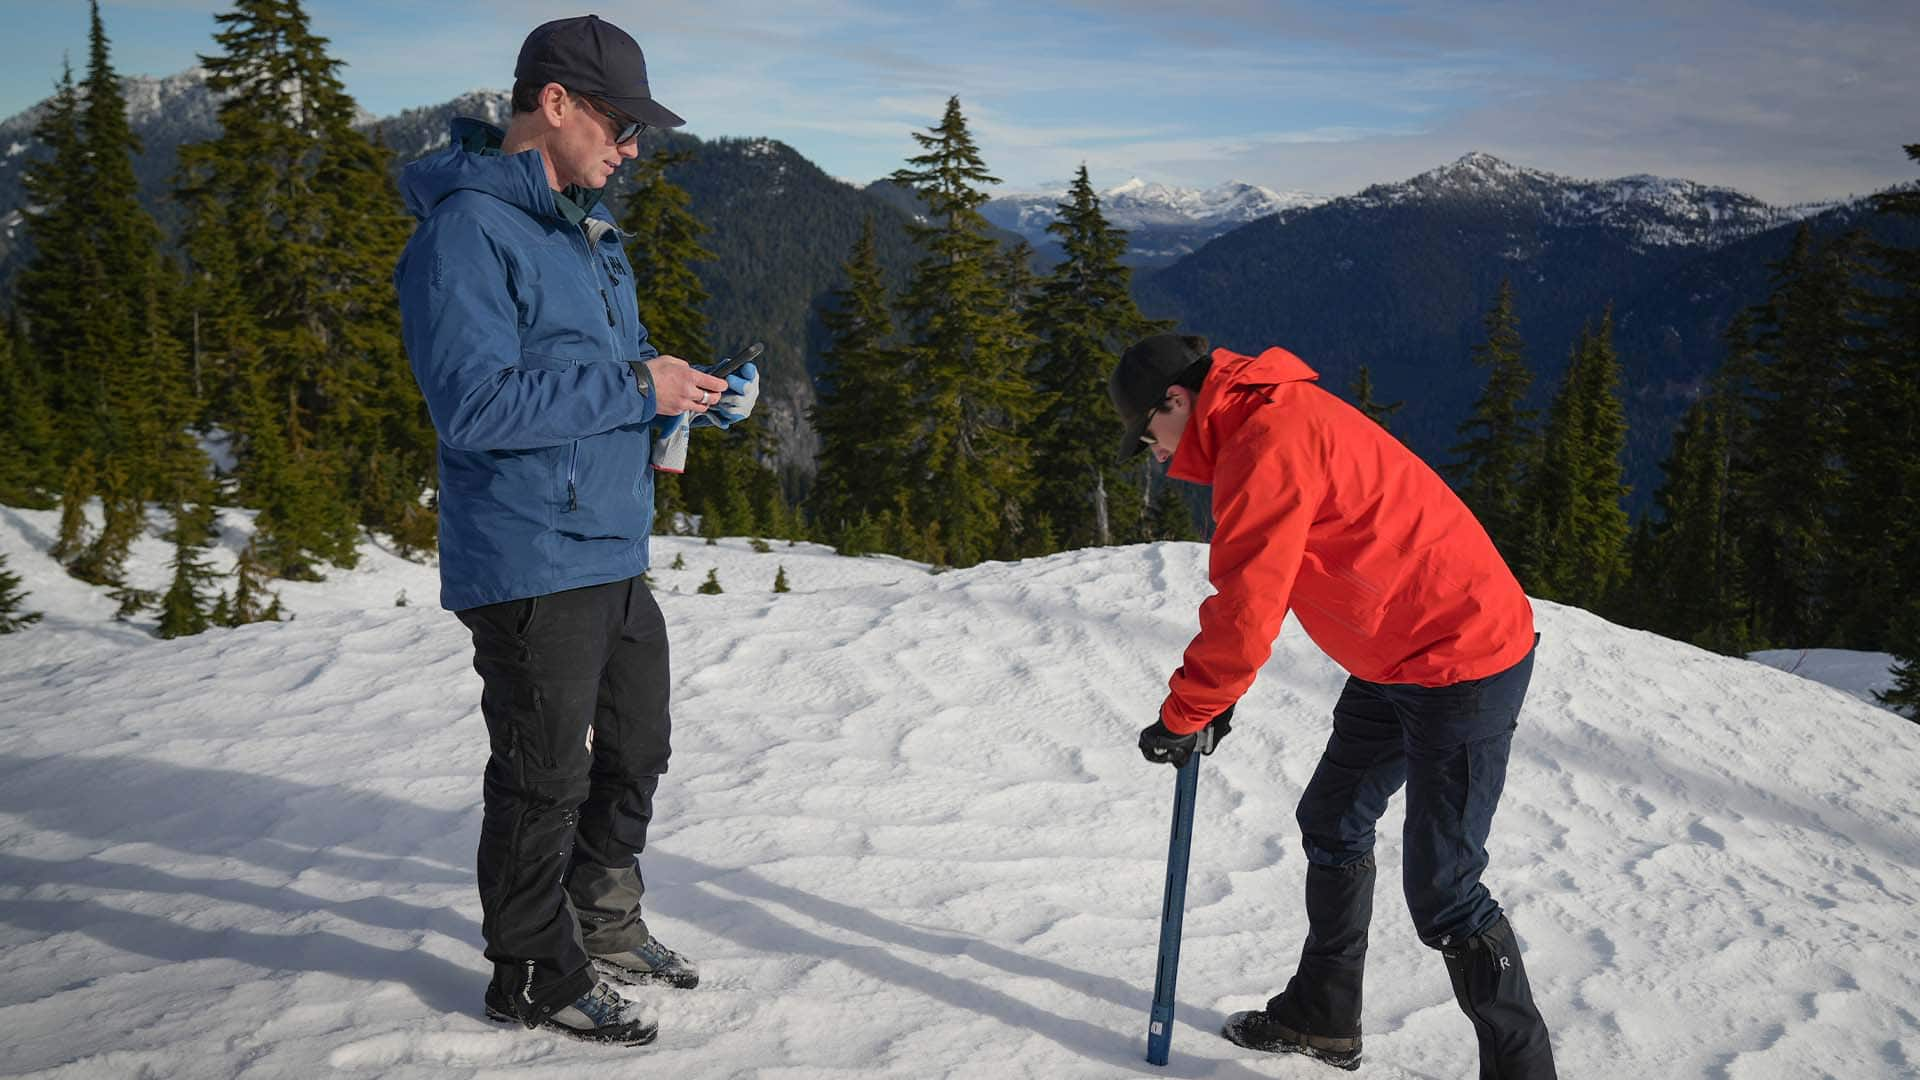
pixel 905 834
pixel 1660 211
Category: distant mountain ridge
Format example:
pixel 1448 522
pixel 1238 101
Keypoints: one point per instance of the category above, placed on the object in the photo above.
pixel 1162 222
pixel 1654 210
pixel 1399 277
pixel 165 114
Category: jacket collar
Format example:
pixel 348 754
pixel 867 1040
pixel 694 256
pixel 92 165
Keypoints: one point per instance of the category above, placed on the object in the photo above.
pixel 473 160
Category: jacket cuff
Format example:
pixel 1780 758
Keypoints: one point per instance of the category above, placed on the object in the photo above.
pixel 642 378
pixel 643 382
pixel 1173 719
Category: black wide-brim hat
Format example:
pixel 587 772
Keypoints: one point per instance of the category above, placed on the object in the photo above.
pixel 588 55
pixel 1139 382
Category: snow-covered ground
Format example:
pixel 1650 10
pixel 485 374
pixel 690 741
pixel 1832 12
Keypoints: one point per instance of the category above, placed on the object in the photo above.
pixel 906 834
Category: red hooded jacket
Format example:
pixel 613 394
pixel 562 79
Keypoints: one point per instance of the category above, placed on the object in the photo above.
pixel 1316 508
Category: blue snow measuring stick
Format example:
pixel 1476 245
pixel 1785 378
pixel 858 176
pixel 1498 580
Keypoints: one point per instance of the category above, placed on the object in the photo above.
pixel 1173 910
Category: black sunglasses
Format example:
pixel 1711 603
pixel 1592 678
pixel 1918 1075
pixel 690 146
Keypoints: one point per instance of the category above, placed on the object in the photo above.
pixel 626 129
pixel 1147 437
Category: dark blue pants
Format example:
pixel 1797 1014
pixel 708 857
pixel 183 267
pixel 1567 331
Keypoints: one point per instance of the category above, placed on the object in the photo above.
pixel 1448 747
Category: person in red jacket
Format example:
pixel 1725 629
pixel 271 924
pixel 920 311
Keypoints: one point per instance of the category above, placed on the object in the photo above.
pixel 1319 511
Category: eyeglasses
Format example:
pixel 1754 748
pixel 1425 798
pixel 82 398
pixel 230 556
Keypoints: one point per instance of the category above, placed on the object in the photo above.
pixel 626 129
pixel 1147 437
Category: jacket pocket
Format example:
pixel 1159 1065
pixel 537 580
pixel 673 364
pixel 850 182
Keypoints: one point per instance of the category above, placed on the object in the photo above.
pixel 602 489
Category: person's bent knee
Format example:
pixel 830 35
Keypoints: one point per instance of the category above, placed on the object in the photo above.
pixel 1333 852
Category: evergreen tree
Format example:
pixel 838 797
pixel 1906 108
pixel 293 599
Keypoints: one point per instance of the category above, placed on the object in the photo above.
pixel 1084 318
pixel 862 408
pixel 663 244
pixel 75 490
pixel 294 231
pixel 1904 695
pixel 1603 538
pixel 967 359
pixel 251 601
pixel 55 278
pixel 1574 544
pixel 1012 268
pixel 664 247
pixel 92 299
pixel 103 561
pixel 863 535
pixel 780 580
pixel 1695 587
pixel 304 516
pixel 183 610
pixel 711 586
pixel 1795 463
pixel 12 618
pixel 1877 549
pixel 161 406
pixel 1166 515
pixel 1377 412
pixel 27 450
pixel 1497 438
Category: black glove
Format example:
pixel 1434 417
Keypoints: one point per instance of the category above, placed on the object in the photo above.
pixel 1163 747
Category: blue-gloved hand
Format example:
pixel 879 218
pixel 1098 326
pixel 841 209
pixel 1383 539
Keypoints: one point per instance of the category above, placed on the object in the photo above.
pixel 736 402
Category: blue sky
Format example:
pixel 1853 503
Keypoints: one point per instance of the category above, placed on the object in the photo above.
pixel 1788 101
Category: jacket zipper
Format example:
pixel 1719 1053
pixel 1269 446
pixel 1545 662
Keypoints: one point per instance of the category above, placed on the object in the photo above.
pixel 573 461
pixel 573 453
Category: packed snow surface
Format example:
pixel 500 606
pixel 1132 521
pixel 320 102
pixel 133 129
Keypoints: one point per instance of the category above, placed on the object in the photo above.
pixel 906 834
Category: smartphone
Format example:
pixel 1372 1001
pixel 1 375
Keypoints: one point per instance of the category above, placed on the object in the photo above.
pixel 738 360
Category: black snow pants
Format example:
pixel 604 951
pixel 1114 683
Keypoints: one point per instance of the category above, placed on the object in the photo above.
pixel 575 700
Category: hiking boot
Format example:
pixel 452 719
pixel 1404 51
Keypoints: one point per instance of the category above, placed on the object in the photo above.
pixel 599 1015
pixel 649 964
pixel 1259 1030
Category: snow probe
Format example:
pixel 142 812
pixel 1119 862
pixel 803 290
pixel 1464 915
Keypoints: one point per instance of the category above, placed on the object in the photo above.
pixel 1173 909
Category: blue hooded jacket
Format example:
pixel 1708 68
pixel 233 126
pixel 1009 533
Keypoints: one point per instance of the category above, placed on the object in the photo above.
pixel 519 325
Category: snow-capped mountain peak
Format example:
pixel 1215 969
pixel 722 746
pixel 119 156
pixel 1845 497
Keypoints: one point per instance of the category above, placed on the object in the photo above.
pixel 1657 210
pixel 1166 220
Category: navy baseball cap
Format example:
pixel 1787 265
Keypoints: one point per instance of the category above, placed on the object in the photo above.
pixel 1139 382
pixel 588 55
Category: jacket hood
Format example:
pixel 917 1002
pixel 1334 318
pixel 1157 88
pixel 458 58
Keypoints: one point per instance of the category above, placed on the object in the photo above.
pixel 1231 370
pixel 467 165
pixel 1236 384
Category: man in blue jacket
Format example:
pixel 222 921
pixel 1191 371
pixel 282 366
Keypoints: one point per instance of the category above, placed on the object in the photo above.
pixel 521 323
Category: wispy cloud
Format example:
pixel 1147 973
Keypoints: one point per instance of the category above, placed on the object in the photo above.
pixel 1788 100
